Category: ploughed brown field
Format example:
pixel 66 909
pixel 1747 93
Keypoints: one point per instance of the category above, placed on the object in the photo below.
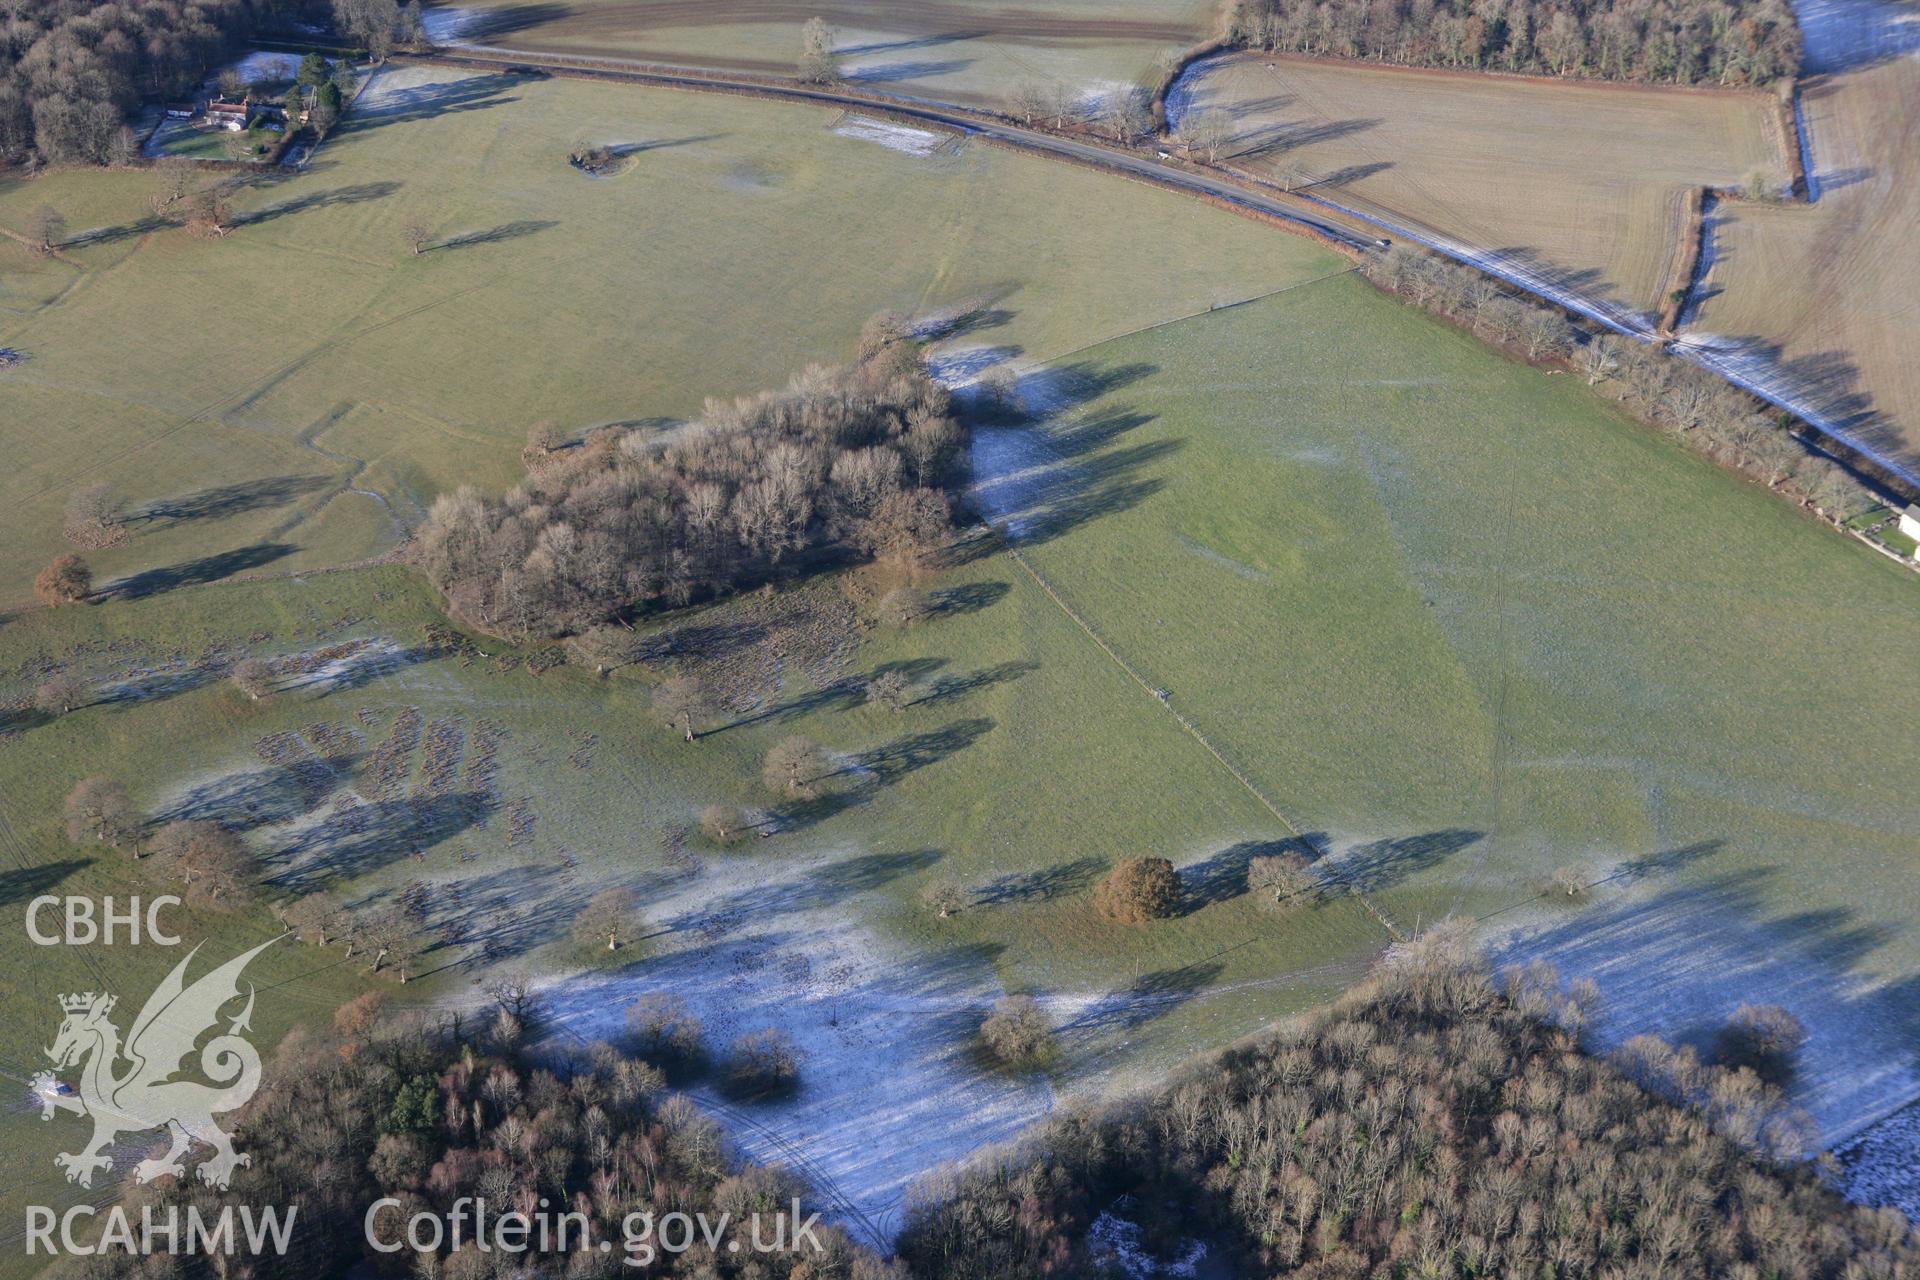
pixel 1832 289
pixel 1587 179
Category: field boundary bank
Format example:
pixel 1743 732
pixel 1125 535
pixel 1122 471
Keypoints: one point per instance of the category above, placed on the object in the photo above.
pixel 1040 580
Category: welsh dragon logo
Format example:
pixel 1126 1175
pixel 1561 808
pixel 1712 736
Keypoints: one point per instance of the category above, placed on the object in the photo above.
pixel 143 1094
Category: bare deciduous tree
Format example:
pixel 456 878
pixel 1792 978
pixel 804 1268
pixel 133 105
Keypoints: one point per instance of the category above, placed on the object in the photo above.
pixel 818 63
pixel 610 919
pixel 416 237
pixel 1283 880
pixel 253 677
pixel 99 808
pixel 1028 102
pixel 762 1062
pixel 684 701
pixel 722 823
pixel 1016 1033
pixel 891 689
pixel 1210 132
pixel 793 765
pixel 61 692
pixel 65 580
pixel 46 229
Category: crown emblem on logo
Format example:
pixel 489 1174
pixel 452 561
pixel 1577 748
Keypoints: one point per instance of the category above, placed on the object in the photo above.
pixel 82 1003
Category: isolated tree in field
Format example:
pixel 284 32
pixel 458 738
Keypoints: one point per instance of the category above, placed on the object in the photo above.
pixel 1139 890
pixel 98 808
pixel 416 237
pixel 818 62
pixel 253 677
pixel 890 689
pixel 93 517
pixel 904 606
pixel 722 823
pixel 665 1031
pixel 60 693
pixel 65 580
pixel 1569 881
pixel 172 178
pixel 1764 1038
pixel 210 210
pixel 610 919
pixel 1282 880
pixel 1016 1033
pixel 683 701
pixel 945 899
pixel 762 1062
pixel 1209 132
pixel 793 765
pixel 46 229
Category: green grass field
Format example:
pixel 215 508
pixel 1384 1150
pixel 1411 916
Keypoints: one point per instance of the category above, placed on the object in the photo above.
pixel 311 349
pixel 1411 588
pixel 1452 614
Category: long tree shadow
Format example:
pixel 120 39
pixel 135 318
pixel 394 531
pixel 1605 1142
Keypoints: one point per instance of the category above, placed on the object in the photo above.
pixel 231 499
pixel 968 597
pixel 359 193
pixel 242 801
pixel 891 762
pixel 507 912
pixel 359 838
pixel 1381 864
pixel 1678 960
pixel 193 573
pixel 914 42
pixel 31 882
pixel 948 688
pixel 430 101
pixel 494 235
pixel 156 686
pixel 1150 996
pixel 366 668
pixel 811 890
pixel 923 69
pixel 1061 880
pixel 1292 135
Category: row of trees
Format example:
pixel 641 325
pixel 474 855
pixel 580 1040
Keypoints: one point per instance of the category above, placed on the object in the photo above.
pixel 1692 404
pixel 373 1109
pixel 1726 42
pixel 1439 1121
pixel 846 461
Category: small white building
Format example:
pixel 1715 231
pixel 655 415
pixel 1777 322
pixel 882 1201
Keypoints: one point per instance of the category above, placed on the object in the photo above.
pixel 228 115
pixel 1910 522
